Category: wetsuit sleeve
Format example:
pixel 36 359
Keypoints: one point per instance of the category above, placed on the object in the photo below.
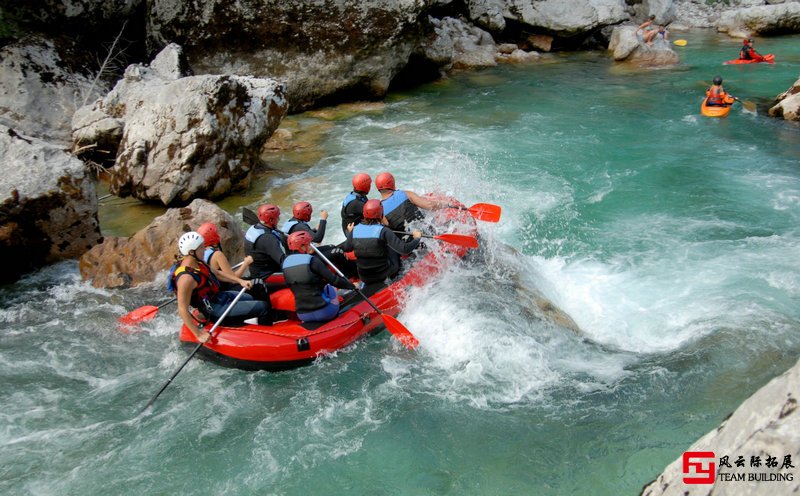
pixel 397 244
pixel 347 245
pixel 319 268
pixel 270 245
pixel 319 234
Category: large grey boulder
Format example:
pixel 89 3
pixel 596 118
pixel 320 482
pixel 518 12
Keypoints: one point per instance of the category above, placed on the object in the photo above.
pixel 122 262
pixel 48 207
pixel 625 45
pixel 766 424
pixel 38 93
pixel 323 50
pixel 566 19
pixel 765 19
pixel 787 104
pixel 182 138
pixel 460 45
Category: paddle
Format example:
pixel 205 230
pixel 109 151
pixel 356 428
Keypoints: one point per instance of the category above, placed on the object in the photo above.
pixel 679 42
pixel 149 312
pixel 482 211
pixel 249 217
pixel 456 239
pixel 392 324
pixel 197 348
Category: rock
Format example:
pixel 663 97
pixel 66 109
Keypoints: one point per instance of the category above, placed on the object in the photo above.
pixel 765 19
pixel 487 14
pixel 541 42
pixel 48 206
pixel 626 46
pixel 566 19
pixel 183 137
pixel 518 56
pixel 125 262
pixel 623 42
pixel 506 48
pixel 787 104
pixel 460 45
pixel 38 94
pixel 766 424
pixel 664 10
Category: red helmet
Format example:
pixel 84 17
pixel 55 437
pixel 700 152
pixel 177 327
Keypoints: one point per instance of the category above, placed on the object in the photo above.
pixel 269 214
pixel 362 182
pixel 209 233
pixel 302 211
pixel 385 180
pixel 373 209
pixel 297 240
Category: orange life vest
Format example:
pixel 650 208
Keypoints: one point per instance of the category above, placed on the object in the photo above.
pixel 717 96
pixel 207 283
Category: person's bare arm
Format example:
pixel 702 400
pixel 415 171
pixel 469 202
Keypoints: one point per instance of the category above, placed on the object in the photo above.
pixel 423 202
pixel 185 287
pixel 222 269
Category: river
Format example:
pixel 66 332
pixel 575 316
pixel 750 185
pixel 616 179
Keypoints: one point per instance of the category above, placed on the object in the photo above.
pixel 671 239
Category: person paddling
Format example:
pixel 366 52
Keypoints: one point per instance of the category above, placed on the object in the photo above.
pixel 399 206
pixel 377 249
pixel 265 243
pixel 214 257
pixel 748 52
pixel 301 215
pixel 201 290
pixel 311 281
pixel 353 204
pixel 716 95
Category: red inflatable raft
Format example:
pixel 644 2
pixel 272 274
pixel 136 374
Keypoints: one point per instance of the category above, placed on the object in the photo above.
pixel 767 59
pixel 291 343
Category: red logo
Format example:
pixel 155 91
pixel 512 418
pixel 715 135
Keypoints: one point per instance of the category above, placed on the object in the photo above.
pixel 698 468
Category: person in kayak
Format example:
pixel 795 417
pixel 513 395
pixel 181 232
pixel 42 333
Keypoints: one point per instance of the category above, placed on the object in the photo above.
pixel 716 95
pixel 377 249
pixel 400 207
pixel 201 290
pixel 353 203
pixel 311 282
pixel 265 243
pixel 748 52
pixel 301 215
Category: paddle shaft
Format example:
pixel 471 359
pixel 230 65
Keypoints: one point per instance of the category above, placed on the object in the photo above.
pixel 197 348
pixel 339 272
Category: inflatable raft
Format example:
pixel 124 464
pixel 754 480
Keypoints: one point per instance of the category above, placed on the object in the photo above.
pixel 767 59
pixel 291 343
pixel 714 111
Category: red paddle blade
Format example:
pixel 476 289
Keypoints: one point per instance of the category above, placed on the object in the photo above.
pixel 399 331
pixel 458 239
pixel 486 212
pixel 141 314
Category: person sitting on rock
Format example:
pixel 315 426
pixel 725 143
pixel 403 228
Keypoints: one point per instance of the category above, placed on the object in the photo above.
pixel 301 215
pixel 377 249
pixel 265 243
pixel 201 290
pixel 400 207
pixel 661 33
pixel 716 95
pixel 353 203
pixel 311 282
pixel 645 27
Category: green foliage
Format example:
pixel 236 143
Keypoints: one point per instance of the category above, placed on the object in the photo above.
pixel 9 26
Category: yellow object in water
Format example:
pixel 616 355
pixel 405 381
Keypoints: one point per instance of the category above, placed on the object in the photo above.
pixel 680 42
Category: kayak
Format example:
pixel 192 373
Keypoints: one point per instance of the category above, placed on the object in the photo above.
pixel 768 58
pixel 292 343
pixel 714 111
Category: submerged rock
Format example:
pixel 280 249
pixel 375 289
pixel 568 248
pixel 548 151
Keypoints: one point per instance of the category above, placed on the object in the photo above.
pixel 121 262
pixel 48 205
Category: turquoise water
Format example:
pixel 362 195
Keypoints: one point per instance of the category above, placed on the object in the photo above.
pixel 670 239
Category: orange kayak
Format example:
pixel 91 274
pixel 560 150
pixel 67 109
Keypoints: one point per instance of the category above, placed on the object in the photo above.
pixel 768 58
pixel 714 111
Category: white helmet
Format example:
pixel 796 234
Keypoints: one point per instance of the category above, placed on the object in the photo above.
pixel 190 241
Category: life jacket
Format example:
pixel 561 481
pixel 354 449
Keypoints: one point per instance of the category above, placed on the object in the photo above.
pixel 716 96
pixel 372 257
pixel 263 264
pixel 207 284
pixel 307 286
pixel 287 227
pixel 352 217
pixel 398 210
pixel 210 250
pixel 746 53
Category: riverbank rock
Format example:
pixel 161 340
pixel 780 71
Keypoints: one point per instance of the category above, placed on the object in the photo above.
pixel 459 45
pixel 48 205
pixel 38 93
pixel 625 45
pixel 781 18
pixel 121 262
pixel 182 137
pixel 787 104
pixel 766 424
pixel 566 19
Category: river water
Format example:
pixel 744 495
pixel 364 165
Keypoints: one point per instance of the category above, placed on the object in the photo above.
pixel 671 239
